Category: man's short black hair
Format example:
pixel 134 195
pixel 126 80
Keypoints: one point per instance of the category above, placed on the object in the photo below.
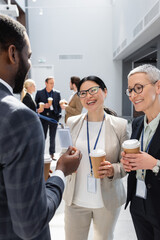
pixel 11 33
pixel 75 80
pixel 48 78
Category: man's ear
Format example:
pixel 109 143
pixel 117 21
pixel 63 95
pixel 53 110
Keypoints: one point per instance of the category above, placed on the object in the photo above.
pixel 12 54
pixel 105 91
pixel 158 86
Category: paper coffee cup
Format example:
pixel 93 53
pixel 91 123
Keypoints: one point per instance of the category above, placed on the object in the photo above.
pixel 97 156
pixel 62 101
pixel 41 106
pixel 50 100
pixel 131 146
pixel 47 164
pixel 63 150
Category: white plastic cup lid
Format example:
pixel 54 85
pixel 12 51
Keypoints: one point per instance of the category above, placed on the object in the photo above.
pixel 97 153
pixel 131 144
pixel 47 158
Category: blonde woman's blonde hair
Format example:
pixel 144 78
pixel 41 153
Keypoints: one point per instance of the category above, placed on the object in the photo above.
pixel 27 83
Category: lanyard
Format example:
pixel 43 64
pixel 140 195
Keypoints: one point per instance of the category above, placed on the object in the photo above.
pixel 95 141
pixel 146 149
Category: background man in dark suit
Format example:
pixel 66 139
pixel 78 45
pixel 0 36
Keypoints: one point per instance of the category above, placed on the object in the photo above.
pixel 50 110
pixel 27 203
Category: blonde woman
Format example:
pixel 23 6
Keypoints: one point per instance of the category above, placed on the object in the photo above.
pixel 29 88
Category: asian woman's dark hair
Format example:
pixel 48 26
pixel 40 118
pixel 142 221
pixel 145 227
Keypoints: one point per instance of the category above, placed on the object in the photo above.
pixel 102 86
pixel 93 79
pixel 109 111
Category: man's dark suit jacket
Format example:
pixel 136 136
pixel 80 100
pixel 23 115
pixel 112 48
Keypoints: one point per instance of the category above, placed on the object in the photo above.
pixel 152 181
pixel 28 101
pixel 27 204
pixel 42 96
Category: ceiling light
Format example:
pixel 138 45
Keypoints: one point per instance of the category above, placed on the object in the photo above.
pixel 41 11
pixel 9 9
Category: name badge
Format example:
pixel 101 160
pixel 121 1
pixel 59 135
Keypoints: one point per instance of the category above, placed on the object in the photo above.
pixel 51 107
pixel 64 137
pixel 91 184
pixel 141 190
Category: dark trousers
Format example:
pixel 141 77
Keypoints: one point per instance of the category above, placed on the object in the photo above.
pixel 52 134
pixel 144 219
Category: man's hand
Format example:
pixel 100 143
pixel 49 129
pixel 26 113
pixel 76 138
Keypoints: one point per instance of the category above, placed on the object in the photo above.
pixel 47 105
pixel 63 104
pixel 69 161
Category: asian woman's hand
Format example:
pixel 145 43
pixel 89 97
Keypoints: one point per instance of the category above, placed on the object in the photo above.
pixel 106 170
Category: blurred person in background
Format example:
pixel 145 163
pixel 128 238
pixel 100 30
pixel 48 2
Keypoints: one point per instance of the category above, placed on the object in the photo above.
pixel 29 88
pixel 73 106
pixel 51 110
